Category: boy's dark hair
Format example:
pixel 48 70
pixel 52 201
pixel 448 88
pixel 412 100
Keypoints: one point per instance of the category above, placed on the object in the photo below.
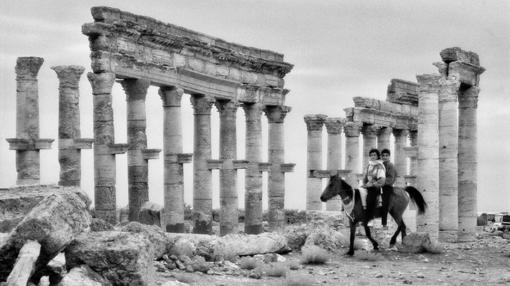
pixel 376 152
pixel 385 151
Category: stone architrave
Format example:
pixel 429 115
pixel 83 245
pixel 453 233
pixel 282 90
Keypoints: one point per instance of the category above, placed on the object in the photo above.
pixel 448 166
pixel 276 148
pixel 105 148
pixel 202 175
pixel 172 219
pixel 468 165
pixel 138 168
pixel 369 132
pixel 27 142
pixel 399 158
pixel 314 125
pixel 228 174
pixel 428 153
pixel 334 159
pixel 383 138
pixel 253 180
pixel 69 141
pixel 352 131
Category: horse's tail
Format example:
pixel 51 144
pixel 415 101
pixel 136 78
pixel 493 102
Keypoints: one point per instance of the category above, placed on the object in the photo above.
pixel 417 198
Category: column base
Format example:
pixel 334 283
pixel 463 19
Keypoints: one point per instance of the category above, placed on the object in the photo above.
pixel 448 235
pixel 202 226
pixel 177 228
pixel 253 229
pixel 107 215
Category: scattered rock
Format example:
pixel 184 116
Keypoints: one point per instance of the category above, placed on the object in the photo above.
pixel 174 283
pixel 83 276
pixel 98 224
pixel 296 236
pixel 122 258
pixel 329 219
pixel 154 234
pixel 327 238
pixel 415 242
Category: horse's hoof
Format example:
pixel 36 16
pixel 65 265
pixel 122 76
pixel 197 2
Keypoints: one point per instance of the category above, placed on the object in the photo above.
pixel 349 253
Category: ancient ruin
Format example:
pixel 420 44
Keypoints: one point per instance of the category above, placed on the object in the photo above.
pixel 442 142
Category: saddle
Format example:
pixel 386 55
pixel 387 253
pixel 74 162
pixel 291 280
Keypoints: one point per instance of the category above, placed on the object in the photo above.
pixel 363 194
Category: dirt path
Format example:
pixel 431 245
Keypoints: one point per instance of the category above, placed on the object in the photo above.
pixel 483 262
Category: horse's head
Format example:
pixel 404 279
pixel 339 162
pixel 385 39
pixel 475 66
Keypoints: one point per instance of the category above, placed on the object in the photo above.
pixel 336 186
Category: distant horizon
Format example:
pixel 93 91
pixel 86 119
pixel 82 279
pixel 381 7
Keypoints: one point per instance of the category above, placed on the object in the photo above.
pixel 339 50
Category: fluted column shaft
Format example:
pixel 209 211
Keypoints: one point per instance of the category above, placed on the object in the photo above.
pixel 448 167
pixel 413 161
pixel 399 158
pixel 383 138
pixel 253 180
pixel 428 153
pixel 27 119
pixel 104 136
pixel 352 158
pixel 173 209
pixel 202 175
pixel 334 159
pixel 276 157
pixel 69 156
pixel 369 141
pixel 228 175
pixel 468 165
pixel 314 125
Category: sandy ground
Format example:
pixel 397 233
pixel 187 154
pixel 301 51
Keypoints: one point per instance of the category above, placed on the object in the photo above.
pixel 485 261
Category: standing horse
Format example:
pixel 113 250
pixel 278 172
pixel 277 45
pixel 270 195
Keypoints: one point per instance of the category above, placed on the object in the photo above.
pixel 351 199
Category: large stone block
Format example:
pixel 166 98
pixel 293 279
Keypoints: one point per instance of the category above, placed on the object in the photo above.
pixel 120 257
pixel 83 276
pixel 153 233
pixel 54 223
pixel 150 213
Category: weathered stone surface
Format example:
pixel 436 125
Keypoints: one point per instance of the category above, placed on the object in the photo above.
pixel 393 108
pixel 415 242
pixel 150 213
pixel 54 223
pixel 174 283
pixel 327 239
pixel 83 276
pixel 25 264
pixel 331 219
pixel 17 201
pixel 154 234
pixel 296 236
pixel 98 224
pixel 120 257
pixel 402 92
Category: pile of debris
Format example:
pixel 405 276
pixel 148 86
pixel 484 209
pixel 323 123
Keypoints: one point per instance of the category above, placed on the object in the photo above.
pixel 56 241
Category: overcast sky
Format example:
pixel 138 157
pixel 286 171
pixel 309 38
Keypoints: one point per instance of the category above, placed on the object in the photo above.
pixel 340 49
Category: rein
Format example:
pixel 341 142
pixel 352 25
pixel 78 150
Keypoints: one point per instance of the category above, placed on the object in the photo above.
pixel 349 205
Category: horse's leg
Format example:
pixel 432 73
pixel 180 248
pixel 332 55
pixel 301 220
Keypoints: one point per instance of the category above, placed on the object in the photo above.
pixel 400 223
pixel 369 235
pixel 403 231
pixel 352 225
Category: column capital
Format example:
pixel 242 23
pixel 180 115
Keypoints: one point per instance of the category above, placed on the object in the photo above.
pixel 352 129
pixel 400 132
pixel 314 122
pixel 135 88
pixel 442 68
pixel 385 131
pixel 370 130
pixel 413 137
pixel 428 83
pixel 469 98
pixel 226 106
pixel 252 111
pixel 276 113
pixel 101 83
pixel 202 104
pixel 334 124
pixel 28 67
pixel 448 89
pixel 171 96
pixel 69 76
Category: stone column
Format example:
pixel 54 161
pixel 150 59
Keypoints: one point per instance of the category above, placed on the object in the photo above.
pixel 173 210
pixel 352 159
pixel 276 185
pixel 383 138
pixel 334 129
pixel 104 146
pixel 369 132
pixel 138 168
pixel 228 174
pixel 413 161
pixel 27 142
pixel 468 165
pixel 69 134
pixel 428 153
pixel 314 125
pixel 448 152
pixel 399 158
pixel 253 181
pixel 202 175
